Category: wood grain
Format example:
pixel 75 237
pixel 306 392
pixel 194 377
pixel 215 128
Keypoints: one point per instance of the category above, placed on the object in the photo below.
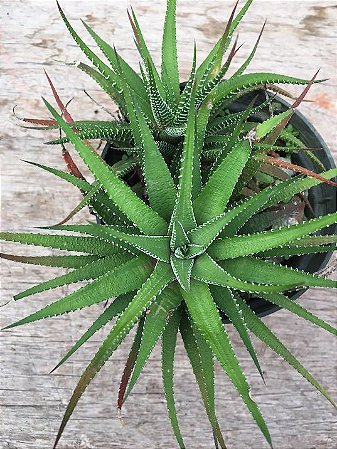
pixel 299 38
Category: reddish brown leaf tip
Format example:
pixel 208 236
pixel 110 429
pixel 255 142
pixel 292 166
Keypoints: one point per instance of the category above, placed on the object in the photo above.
pixel 133 26
pixel 68 118
pixel 34 121
pixel 299 99
pixel 230 21
pixel 72 167
pixel 261 32
pixel 298 169
pixel 37 121
pixel 130 363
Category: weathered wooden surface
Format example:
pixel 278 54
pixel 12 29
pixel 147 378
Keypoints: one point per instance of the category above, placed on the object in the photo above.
pixel 299 38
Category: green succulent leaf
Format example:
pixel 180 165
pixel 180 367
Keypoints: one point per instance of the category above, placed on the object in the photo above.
pixel 156 173
pixel 154 246
pixel 162 111
pixel 203 311
pixel 104 83
pixel 170 71
pixel 107 73
pixel 245 83
pixel 130 363
pixel 281 192
pixel 305 245
pixel 133 78
pixel 270 124
pixel 203 67
pixel 245 245
pixel 287 304
pixel 144 52
pixel 69 243
pixel 169 340
pixel 52 261
pixel 243 67
pixel 145 218
pixel 90 271
pixel 205 269
pixel 155 322
pixel 288 251
pixel 266 336
pixel 185 97
pixel 214 72
pixel 111 283
pixel 182 269
pixel 158 280
pixel 201 358
pixel 248 268
pixel 226 302
pixel 113 310
pixel 89 129
pixel 183 212
pixel 214 196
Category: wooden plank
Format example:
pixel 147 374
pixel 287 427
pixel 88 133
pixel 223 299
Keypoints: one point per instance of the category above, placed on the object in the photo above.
pixel 299 38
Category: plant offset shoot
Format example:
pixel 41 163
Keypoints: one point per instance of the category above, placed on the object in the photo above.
pixel 192 240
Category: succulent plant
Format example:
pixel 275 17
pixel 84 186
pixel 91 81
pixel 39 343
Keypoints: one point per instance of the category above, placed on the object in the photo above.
pixel 164 103
pixel 175 253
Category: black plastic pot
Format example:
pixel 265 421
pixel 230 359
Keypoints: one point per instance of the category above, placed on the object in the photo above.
pixel 322 198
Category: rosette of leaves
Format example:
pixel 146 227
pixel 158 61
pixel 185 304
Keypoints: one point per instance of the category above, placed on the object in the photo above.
pixel 174 253
pixel 177 262
pixel 165 105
